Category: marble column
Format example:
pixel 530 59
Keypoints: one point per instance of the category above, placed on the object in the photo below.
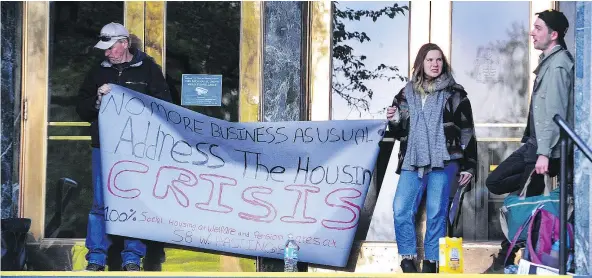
pixel 282 61
pixel 11 34
pixel 583 125
pixel 283 91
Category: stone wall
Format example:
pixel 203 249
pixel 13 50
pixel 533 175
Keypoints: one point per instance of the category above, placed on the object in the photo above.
pixel 10 106
pixel 583 125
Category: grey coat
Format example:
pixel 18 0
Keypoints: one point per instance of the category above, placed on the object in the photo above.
pixel 552 94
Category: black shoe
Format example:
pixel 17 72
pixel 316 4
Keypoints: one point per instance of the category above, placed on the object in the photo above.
pixel 94 267
pixel 408 266
pixel 131 267
pixel 497 266
pixel 429 267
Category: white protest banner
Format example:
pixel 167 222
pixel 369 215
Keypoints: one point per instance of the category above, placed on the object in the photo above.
pixel 177 176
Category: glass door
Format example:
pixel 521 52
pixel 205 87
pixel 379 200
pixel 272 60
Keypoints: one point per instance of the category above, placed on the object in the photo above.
pixel 494 61
pixel 58 52
pixel 68 193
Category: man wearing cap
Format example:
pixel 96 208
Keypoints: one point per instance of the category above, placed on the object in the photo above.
pixel 552 94
pixel 131 68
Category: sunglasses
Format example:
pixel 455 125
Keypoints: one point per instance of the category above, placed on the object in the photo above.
pixel 108 38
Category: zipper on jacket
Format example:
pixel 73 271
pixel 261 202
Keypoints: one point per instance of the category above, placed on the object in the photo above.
pixel 120 72
pixel 119 77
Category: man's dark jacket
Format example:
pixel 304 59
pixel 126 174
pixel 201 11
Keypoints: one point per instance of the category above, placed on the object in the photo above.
pixel 141 74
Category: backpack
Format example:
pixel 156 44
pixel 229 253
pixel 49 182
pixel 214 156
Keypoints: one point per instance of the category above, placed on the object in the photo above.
pixel 539 243
pixel 534 220
pixel 542 229
pixel 14 236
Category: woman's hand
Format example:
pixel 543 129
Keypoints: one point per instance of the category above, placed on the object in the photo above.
pixel 465 178
pixel 390 112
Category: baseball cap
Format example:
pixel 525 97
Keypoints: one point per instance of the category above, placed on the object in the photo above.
pixel 110 34
pixel 556 21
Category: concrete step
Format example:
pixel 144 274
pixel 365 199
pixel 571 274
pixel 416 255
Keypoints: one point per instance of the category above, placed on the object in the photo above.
pixel 382 257
pixel 366 257
pixel 63 274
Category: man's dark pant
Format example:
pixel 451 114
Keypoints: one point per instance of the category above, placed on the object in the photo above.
pixel 511 176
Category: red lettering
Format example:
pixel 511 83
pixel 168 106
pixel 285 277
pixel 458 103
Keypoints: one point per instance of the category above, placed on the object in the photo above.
pixel 271 211
pixel 353 208
pixel 170 178
pixel 214 202
pixel 299 213
pixel 119 168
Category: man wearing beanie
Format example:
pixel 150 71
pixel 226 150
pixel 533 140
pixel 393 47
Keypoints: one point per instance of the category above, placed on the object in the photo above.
pixel 552 94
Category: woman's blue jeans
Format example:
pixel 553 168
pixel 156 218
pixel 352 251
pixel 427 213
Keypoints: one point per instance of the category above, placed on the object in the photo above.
pixel 97 240
pixel 407 198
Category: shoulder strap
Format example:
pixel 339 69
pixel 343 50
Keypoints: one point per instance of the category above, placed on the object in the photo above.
pixel 531 251
pixel 516 236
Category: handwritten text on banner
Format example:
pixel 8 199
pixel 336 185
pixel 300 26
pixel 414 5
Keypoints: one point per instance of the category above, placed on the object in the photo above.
pixel 177 176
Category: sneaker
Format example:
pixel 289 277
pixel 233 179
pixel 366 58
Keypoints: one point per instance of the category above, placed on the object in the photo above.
pixel 408 266
pixel 94 267
pixel 429 267
pixel 497 265
pixel 131 267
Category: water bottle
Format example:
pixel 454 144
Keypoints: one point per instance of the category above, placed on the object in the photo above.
pixel 552 259
pixel 569 262
pixel 291 255
pixel 555 255
pixel 569 266
pixel 555 250
pixel 511 269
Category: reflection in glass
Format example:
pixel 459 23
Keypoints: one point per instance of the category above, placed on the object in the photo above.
pixel 490 58
pixel 74 29
pixel 370 57
pixel 204 38
pixel 498 151
pixel 69 174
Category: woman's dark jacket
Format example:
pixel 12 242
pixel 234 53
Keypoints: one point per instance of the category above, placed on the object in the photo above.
pixel 459 128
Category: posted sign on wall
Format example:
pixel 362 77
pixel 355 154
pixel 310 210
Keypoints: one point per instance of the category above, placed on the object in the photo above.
pixel 201 90
pixel 177 176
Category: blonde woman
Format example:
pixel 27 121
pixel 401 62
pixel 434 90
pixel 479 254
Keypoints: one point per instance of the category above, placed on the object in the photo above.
pixel 432 118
